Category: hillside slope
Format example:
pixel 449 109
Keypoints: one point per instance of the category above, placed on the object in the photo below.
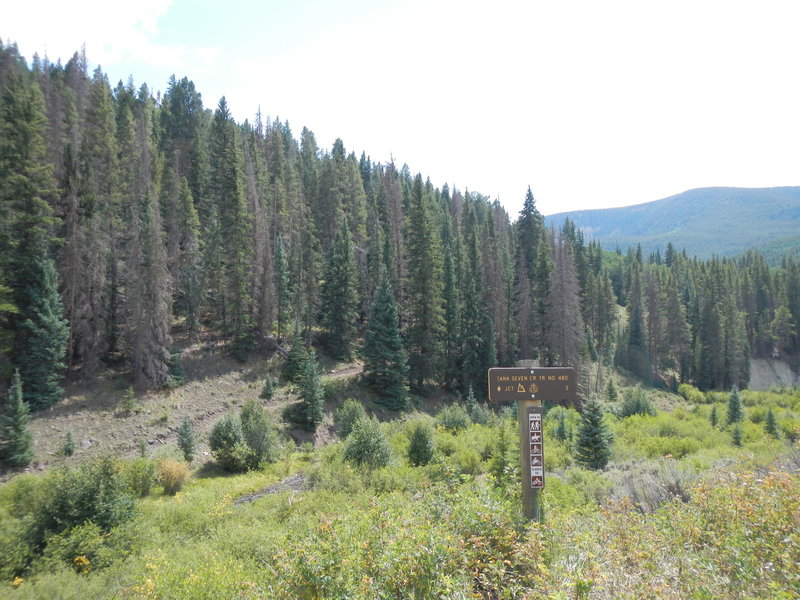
pixel 706 221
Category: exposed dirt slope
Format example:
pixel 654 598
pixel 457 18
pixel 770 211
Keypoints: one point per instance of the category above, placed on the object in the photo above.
pixel 214 384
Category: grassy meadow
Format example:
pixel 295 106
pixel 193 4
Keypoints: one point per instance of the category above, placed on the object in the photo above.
pixel 680 511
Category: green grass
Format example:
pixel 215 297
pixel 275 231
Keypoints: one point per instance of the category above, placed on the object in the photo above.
pixel 680 512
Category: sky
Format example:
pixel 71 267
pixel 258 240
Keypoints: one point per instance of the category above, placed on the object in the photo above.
pixel 591 104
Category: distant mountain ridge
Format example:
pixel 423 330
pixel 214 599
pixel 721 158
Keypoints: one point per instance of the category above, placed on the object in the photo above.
pixel 706 222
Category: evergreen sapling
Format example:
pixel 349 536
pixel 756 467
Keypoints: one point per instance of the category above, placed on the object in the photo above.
pixel 16 440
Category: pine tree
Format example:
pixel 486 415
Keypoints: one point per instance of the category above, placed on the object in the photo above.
pixel 30 307
pixel 637 358
pixel 735 409
pixel 313 400
pixel 89 260
pixel 562 432
pixel 282 286
pixel 771 425
pixel 530 227
pixel 296 358
pixel 593 446
pixel 713 418
pixel 339 296
pixel 565 330
pixel 611 390
pixel 16 440
pixel 542 297
pixel 736 435
pixel 421 444
pixel 186 441
pixel 425 287
pixel 385 362
pixel 45 332
pixel 234 227
pixel 189 289
pixel 479 352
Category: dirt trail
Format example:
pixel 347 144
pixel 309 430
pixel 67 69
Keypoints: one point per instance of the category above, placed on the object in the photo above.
pixel 294 483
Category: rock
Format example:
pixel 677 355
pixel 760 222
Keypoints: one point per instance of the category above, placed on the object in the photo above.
pixel 85 444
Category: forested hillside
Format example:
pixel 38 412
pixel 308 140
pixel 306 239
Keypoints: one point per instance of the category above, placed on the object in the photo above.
pixel 126 217
pixel 705 222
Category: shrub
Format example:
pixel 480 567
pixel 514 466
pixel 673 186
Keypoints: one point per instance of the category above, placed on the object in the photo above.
pixel 453 418
pixel 259 434
pixel 649 484
pixel 228 446
pixel 481 414
pixel 97 491
pixel 691 393
pixel 367 444
pixel 172 474
pixel 421 444
pixel 468 461
pixel 83 548
pixel 141 475
pixel 347 414
pixel 594 486
pixel 636 402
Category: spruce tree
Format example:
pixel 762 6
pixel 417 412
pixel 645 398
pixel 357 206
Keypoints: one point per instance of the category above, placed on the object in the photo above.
pixel 313 400
pixel 385 363
pixel 424 288
pixel 235 227
pixel 45 331
pixel 339 296
pixel 421 444
pixel 735 409
pixel 771 425
pixel 713 419
pixel 593 446
pixel 296 358
pixel 16 440
pixel 186 441
pixel 611 390
pixel 562 432
pixel 282 286
pixel 736 435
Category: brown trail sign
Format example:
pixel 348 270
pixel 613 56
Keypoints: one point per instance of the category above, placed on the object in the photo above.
pixel 530 387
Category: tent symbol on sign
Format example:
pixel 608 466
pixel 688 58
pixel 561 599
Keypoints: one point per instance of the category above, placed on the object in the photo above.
pixel 535 461
pixel 520 388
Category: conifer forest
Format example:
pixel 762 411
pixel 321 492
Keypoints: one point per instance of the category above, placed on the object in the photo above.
pixel 124 214
pixel 369 303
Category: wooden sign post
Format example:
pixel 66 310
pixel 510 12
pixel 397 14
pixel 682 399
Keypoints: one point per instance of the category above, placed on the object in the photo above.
pixel 530 387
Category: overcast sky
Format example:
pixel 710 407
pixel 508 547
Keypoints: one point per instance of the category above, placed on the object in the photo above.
pixel 593 104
